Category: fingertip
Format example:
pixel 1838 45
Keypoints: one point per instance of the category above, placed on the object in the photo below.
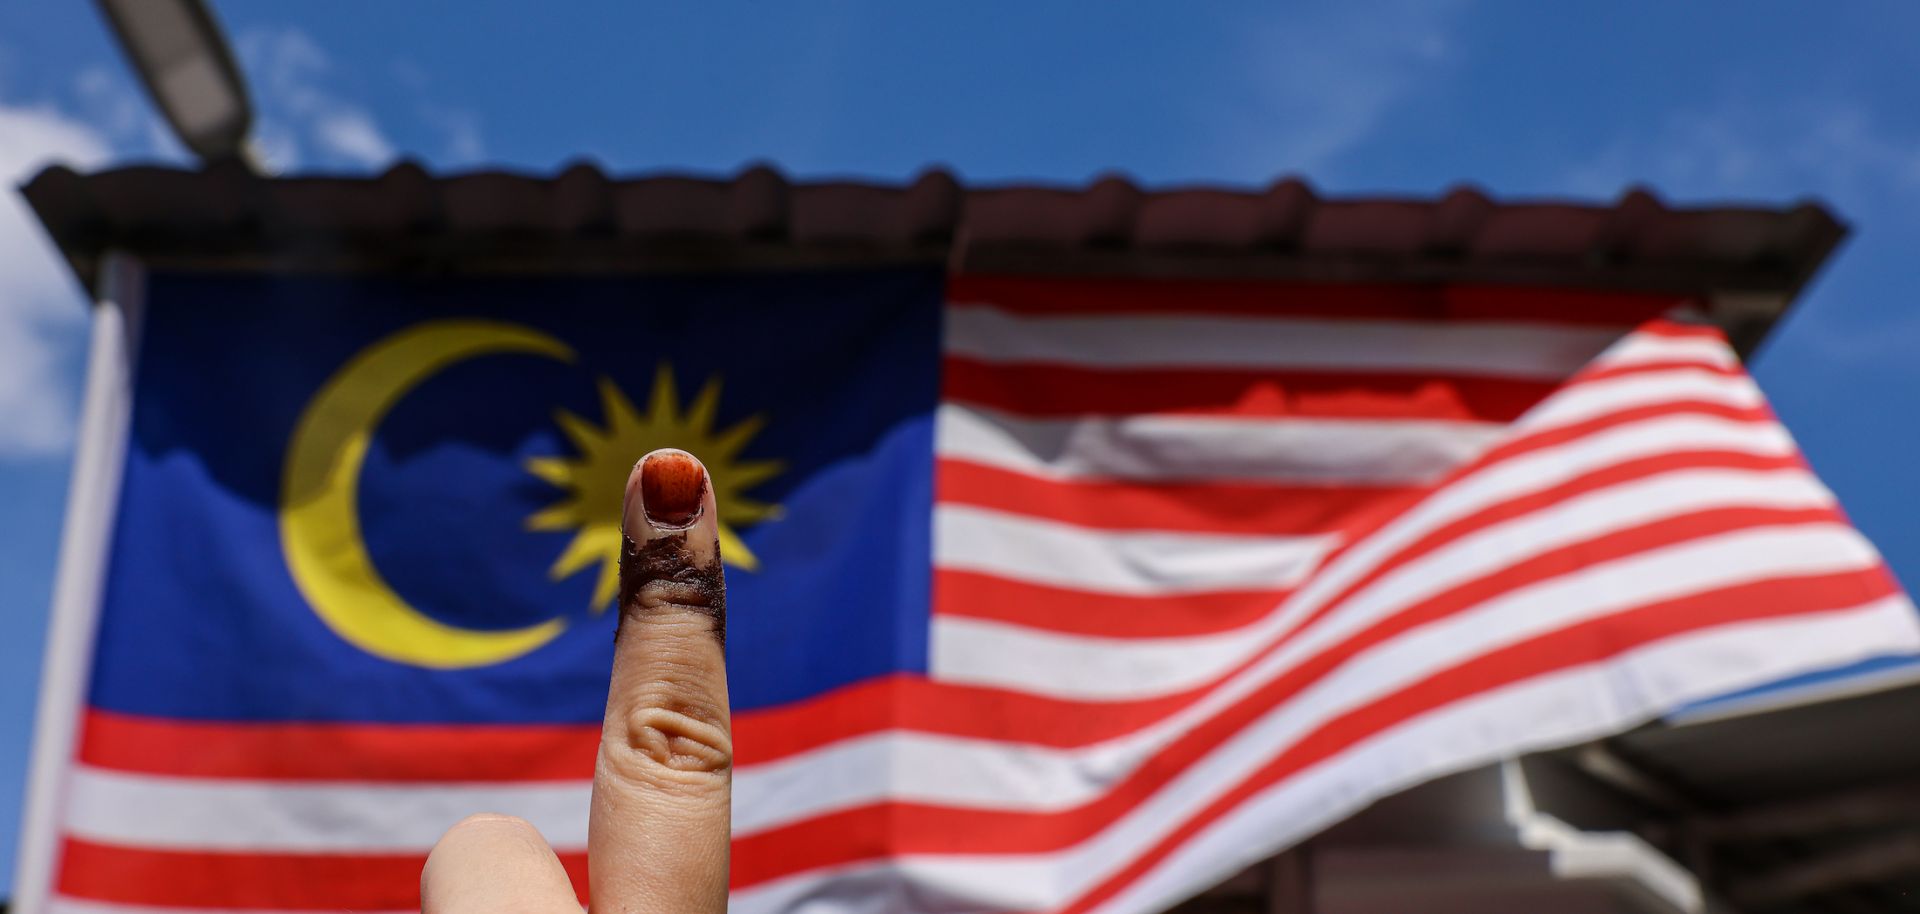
pixel 480 835
pixel 668 490
pixel 671 557
pixel 487 863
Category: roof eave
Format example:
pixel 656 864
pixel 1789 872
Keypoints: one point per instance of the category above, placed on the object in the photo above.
pixel 581 220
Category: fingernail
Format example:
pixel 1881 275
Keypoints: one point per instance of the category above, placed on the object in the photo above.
pixel 672 487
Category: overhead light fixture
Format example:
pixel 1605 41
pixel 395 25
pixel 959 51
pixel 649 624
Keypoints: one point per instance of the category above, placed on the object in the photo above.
pixel 181 55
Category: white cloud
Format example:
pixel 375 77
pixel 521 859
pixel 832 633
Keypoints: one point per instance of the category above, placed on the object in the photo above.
pixel 1863 162
pixel 301 119
pixel 459 128
pixel 1321 79
pixel 351 134
pixel 1787 148
pixel 42 315
pixel 106 99
pixel 462 132
pixel 305 118
pixel 109 107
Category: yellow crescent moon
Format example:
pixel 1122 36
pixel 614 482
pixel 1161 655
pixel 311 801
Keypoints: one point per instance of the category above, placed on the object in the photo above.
pixel 319 513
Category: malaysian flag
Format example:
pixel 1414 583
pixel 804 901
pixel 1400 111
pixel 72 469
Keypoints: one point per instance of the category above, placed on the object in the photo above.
pixel 1048 594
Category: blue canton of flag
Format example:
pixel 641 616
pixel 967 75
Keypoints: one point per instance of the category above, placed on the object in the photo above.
pixel 313 457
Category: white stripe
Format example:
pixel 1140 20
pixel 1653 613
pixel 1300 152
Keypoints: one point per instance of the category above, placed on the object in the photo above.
pixel 1560 708
pixel 998 654
pixel 1161 447
pixel 1139 563
pixel 1591 399
pixel 167 812
pixel 1648 348
pixel 1495 349
pixel 981 652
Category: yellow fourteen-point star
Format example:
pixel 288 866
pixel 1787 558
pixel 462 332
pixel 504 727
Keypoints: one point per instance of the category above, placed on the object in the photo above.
pixel 596 480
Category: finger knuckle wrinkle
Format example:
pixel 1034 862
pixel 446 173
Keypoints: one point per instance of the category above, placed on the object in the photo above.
pixel 672 742
pixel 675 594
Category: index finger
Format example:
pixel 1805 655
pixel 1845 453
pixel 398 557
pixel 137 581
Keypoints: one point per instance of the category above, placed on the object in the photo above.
pixel 662 789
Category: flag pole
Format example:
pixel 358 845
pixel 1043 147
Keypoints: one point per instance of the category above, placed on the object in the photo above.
pixel 86 533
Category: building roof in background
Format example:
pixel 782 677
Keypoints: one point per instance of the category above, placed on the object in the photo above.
pixel 1794 808
pixel 581 219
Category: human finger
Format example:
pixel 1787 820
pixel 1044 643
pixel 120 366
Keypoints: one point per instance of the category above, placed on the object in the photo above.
pixel 493 864
pixel 662 789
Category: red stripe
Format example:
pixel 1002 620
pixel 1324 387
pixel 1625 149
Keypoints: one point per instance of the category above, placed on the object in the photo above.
pixel 1203 507
pixel 408 753
pixel 913 702
pixel 213 879
pixel 979 596
pixel 335 751
pixel 1595 373
pixel 1680 330
pixel 1060 390
pixel 890 829
pixel 1080 295
pixel 479 753
pixel 1585 428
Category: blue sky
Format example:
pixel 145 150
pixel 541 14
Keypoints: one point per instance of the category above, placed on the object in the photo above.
pixel 1705 101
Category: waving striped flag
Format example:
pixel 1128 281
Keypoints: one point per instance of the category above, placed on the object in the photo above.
pixel 1201 568
pixel 1214 566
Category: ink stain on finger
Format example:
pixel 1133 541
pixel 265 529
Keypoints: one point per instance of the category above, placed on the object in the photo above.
pixel 662 571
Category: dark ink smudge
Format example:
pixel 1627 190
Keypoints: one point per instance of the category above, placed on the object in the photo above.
pixel 666 559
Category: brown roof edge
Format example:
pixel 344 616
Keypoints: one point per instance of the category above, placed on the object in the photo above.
pixel 583 220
